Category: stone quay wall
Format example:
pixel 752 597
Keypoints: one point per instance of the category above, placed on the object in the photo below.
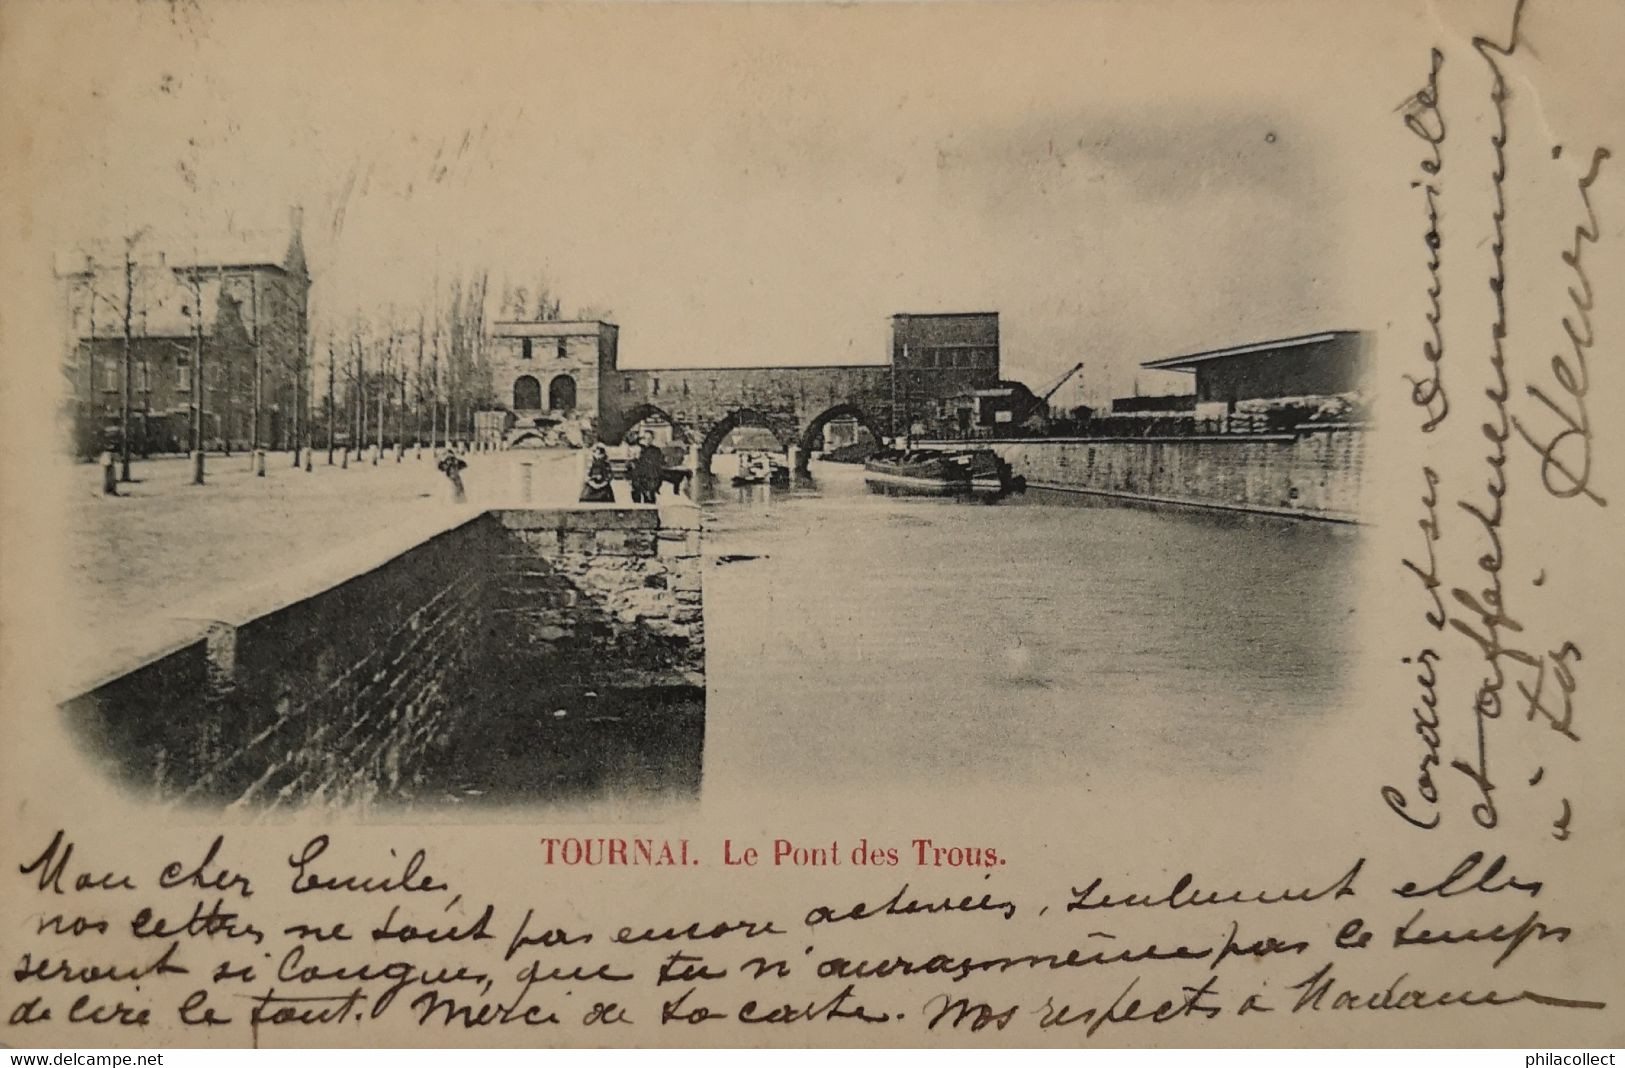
pixel 1311 474
pixel 607 598
pixel 346 693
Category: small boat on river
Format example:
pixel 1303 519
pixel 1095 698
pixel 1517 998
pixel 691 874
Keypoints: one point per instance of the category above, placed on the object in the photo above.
pixel 760 469
pixel 937 473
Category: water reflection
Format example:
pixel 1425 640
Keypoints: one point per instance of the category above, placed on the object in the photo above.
pixel 723 488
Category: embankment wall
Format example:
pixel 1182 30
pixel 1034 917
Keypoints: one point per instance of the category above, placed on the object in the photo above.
pixel 1313 474
pixel 345 693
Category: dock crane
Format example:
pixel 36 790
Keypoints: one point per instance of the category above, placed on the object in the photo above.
pixel 1039 402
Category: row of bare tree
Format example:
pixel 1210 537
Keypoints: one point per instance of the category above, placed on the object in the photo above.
pixel 415 376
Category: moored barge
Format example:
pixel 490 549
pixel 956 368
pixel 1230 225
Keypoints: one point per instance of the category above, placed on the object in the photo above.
pixel 932 472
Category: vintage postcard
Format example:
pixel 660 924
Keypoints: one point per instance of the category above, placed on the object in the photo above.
pixel 788 524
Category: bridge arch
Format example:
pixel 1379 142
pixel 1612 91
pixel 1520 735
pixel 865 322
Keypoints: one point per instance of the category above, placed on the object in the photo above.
pixel 636 415
pixel 741 417
pixel 812 437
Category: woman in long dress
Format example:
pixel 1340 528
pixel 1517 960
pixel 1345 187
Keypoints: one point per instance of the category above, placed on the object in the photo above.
pixel 597 488
pixel 451 465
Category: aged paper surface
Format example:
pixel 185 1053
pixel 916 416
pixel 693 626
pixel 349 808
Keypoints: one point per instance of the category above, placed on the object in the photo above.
pixel 1268 696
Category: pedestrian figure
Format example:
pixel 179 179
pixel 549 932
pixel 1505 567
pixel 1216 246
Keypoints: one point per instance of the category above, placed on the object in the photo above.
pixel 597 488
pixel 648 468
pixel 451 465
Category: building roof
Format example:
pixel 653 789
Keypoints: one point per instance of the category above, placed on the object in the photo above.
pixel 945 315
pixel 570 328
pixel 162 307
pixel 1188 363
pixel 265 248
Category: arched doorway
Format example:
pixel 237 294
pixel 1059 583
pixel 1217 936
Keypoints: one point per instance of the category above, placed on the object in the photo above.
pixel 527 394
pixel 561 394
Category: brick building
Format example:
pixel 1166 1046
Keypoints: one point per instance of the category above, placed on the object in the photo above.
pixel 938 355
pixel 253 292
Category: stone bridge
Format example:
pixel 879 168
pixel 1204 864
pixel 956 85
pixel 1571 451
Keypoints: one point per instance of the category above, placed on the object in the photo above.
pixel 705 404
pixel 932 356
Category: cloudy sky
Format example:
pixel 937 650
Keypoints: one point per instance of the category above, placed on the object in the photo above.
pixel 747 185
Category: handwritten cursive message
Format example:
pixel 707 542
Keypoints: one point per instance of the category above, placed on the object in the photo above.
pixel 296 944
pixel 1496 651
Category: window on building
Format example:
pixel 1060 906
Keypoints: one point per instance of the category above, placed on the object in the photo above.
pixel 109 374
pixel 183 375
pixel 654 387
pixel 144 383
pixel 626 385
pixel 561 394
pixel 524 349
pixel 558 349
pixel 685 387
pixel 527 393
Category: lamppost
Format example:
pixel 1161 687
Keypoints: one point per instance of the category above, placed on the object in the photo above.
pixel 129 344
pixel 194 312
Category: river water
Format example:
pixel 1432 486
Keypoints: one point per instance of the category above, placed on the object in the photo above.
pixel 856 639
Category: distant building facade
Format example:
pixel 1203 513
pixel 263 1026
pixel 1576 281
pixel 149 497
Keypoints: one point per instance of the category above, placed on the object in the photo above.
pixel 842 432
pixel 251 293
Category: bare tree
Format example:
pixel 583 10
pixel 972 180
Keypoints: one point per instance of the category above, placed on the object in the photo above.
pixel 385 362
pixel 417 383
pixel 332 375
pixel 358 392
pixel 129 344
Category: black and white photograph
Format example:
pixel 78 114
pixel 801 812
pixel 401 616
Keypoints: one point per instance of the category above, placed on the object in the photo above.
pixel 1055 452
pixel 485 474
